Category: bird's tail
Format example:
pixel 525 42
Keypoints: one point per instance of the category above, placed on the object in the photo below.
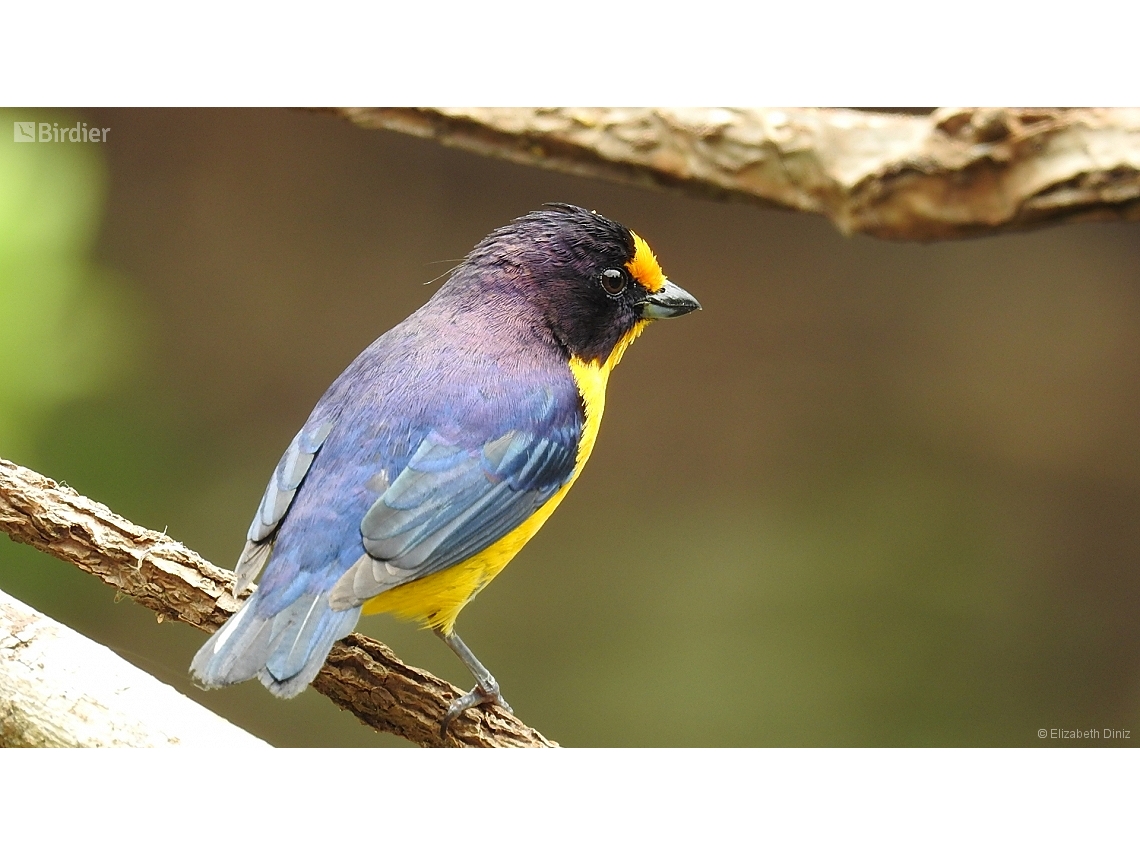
pixel 285 651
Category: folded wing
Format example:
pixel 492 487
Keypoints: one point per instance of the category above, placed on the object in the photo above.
pixel 450 503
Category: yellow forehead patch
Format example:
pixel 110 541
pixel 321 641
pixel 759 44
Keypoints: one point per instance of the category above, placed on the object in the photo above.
pixel 644 266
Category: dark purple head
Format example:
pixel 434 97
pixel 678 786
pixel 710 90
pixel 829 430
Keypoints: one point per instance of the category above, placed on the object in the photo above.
pixel 591 282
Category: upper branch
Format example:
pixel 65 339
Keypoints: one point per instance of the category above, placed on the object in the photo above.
pixel 954 173
pixel 361 675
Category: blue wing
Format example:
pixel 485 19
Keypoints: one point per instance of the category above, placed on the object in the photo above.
pixel 450 503
pixel 357 507
pixel 276 501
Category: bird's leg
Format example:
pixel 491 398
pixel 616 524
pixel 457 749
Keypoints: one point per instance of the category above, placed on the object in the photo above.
pixel 486 690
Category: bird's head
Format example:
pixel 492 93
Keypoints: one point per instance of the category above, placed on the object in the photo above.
pixel 594 283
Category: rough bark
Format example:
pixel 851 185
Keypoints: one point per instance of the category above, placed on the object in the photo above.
pixel 957 172
pixel 361 675
pixel 61 690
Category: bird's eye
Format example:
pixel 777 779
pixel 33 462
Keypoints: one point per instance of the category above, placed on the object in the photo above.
pixel 614 281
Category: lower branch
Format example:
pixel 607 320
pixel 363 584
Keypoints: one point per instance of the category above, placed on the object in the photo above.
pixel 61 690
pixel 361 675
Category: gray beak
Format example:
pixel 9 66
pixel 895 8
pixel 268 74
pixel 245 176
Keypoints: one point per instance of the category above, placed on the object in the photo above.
pixel 670 302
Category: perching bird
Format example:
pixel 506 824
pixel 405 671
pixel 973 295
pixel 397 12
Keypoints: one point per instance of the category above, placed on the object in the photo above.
pixel 441 449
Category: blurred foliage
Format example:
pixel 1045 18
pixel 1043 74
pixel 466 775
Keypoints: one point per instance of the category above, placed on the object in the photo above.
pixel 61 316
pixel 875 494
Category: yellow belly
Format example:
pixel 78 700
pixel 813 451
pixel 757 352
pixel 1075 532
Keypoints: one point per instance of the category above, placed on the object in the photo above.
pixel 436 600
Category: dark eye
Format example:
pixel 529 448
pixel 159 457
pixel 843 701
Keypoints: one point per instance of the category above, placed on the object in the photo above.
pixel 614 281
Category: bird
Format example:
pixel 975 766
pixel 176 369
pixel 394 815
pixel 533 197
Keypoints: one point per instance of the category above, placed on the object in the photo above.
pixel 441 450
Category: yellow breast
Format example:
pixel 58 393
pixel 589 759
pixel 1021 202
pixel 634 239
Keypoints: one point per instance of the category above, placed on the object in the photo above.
pixel 436 600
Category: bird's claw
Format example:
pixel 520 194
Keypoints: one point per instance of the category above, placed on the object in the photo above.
pixel 481 695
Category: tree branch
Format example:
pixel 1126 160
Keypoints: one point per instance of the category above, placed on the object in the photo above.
pixel 955 173
pixel 61 690
pixel 361 675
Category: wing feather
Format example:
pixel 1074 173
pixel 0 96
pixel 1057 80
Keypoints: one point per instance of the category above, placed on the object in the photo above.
pixel 276 501
pixel 450 502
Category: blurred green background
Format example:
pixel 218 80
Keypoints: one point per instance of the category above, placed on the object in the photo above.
pixel 875 494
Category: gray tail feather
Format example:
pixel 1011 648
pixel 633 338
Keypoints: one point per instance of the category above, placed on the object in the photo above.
pixel 285 651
